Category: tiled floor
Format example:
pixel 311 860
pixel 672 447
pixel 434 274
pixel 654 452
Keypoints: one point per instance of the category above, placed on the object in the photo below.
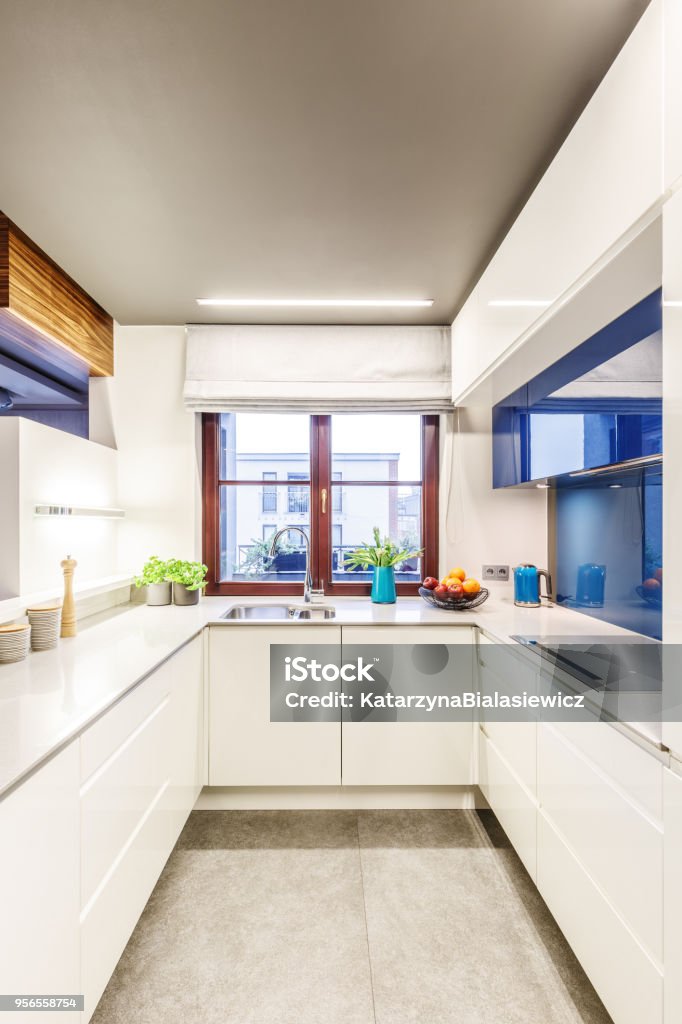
pixel 326 917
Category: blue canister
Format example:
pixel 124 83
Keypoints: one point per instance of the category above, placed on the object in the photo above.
pixel 383 585
pixel 589 588
pixel 527 585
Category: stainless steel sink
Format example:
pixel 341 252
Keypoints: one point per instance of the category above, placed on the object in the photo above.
pixel 279 612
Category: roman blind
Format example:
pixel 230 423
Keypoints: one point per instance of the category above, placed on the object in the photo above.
pixel 318 370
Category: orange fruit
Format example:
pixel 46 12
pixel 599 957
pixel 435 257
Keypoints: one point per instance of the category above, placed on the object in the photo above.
pixel 471 586
pixel 651 584
pixel 458 573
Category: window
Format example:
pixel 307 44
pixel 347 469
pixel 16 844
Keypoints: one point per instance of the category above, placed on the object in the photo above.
pixel 331 478
pixel 298 497
pixel 269 493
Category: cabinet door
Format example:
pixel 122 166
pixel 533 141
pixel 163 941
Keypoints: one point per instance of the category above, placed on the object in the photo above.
pixel 187 728
pixel 408 753
pixel 245 747
pixel 672 887
pixel 39 886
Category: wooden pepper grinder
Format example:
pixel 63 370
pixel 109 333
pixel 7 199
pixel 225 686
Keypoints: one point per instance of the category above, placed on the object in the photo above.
pixel 69 605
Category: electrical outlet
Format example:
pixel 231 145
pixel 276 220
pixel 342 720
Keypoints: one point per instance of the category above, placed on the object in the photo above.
pixel 495 572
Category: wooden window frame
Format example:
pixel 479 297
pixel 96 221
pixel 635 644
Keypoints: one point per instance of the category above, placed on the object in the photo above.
pixel 321 540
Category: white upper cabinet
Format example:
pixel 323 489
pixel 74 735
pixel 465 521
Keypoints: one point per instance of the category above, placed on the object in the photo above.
pixel 604 179
pixel 672 84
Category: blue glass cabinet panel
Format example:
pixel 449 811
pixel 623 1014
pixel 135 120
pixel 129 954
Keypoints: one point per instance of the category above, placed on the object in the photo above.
pixel 598 405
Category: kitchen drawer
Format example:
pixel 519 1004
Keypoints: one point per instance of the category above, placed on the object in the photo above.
pixel 515 741
pixel 513 804
pixel 108 921
pixel 626 979
pixel 110 731
pixel 408 754
pixel 619 847
pixel 630 768
pixel 118 796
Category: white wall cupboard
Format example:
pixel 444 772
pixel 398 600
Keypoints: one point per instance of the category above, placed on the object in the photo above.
pixel 39 886
pixel 606 176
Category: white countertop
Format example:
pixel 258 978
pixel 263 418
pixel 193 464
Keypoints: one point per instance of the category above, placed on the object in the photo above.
pixel 52 696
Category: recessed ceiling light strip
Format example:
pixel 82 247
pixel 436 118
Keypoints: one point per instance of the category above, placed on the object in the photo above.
pixel 320 303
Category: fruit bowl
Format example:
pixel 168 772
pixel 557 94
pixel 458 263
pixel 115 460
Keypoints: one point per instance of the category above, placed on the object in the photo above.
pixel 652 597
pixel 454 604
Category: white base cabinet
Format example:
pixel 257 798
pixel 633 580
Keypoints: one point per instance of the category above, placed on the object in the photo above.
pixel 507 753
pixel 39 887
pixel 600 860
pixel 672 882
pixel 408 753
pixel 245 747
pixel 141 772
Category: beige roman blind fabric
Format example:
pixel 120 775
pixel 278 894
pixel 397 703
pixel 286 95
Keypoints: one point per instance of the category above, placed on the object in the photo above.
pixel 317 369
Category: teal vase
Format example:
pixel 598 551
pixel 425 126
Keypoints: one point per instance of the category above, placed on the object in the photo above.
pixel 383 585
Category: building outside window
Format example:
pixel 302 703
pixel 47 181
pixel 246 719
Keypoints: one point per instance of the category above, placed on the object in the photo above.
pixel 269 493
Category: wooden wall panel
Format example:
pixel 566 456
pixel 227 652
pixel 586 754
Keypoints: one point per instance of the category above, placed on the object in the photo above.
pixel 39 301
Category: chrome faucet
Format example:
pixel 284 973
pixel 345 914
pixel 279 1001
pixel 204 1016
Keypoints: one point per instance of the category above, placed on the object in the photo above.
pixel 309 593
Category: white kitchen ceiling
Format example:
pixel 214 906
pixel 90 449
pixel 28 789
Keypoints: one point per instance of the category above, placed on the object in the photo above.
pixel 162 151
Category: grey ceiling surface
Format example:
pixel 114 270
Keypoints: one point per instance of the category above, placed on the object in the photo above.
pixel 161 151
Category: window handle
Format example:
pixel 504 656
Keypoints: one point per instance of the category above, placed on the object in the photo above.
pixel 324 501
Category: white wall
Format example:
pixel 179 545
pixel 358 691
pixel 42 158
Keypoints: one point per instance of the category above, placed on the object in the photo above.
pixel 478 524
pixel 51 466
pixel 159 477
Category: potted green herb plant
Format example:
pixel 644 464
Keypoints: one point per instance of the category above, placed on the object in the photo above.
pixel 154 577
pixel 188 579
pixel 382 558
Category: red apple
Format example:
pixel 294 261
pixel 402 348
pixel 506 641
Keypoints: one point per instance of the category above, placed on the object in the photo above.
pixel 456 590
pixel 441 590
pixel 430 583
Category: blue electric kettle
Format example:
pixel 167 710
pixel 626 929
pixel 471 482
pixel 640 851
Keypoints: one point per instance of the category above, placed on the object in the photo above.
pixel 527 586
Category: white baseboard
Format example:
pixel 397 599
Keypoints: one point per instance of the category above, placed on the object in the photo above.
pixel 223 798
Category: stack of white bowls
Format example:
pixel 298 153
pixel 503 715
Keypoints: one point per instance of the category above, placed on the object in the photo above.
pixel 45 626
pixel 14 642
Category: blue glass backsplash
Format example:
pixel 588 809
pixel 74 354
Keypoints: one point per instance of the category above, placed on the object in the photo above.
pixel 597 405
pixel 609 552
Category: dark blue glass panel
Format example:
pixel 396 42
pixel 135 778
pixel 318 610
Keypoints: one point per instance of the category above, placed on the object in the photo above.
pixel 608 560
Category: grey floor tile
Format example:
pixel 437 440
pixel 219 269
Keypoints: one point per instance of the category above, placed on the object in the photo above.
pixel 450 939
pixel 269 830
pixel 248 936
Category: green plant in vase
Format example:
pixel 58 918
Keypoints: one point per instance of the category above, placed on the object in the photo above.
pixel 155 578
pixel 381 557
pixel 188 579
